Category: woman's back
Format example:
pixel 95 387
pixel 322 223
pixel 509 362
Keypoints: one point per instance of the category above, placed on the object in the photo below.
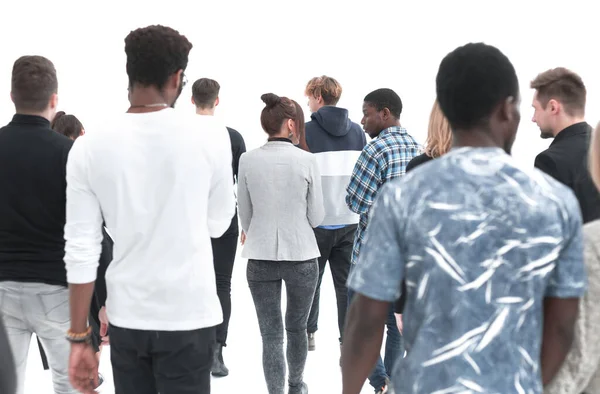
pixel 280 202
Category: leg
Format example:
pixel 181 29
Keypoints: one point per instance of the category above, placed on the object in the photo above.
pixel 182 360
pixel 131 362
pixel 264 281
pixel 339 263
pixel 378 377
pixel 50 320
pixel 18 330
pixel 224 250
pixel 394 350
pixel 325 242
pixel 8 374
pixel 300 282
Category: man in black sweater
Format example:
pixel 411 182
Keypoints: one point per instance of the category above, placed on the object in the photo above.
pixel 205 96
pixel 559 111
pixel 34 297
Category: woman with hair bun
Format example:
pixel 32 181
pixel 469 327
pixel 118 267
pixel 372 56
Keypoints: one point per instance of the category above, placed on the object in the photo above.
pixel 280 202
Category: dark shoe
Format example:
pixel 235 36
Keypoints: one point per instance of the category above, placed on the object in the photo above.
pixel 311 342
pixel 218 367
pixel 302 389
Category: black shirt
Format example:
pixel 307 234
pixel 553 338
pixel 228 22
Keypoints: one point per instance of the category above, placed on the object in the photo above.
pixel 566 160
pixel 238 148
pixel 32 201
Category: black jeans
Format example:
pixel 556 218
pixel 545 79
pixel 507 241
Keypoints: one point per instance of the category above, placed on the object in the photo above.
pixel 336 247
pixel 165 362
pixel 265 279
pixel 224 249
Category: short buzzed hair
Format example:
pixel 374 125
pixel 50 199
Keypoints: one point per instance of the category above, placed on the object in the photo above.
pixel 562 85
pixel 205 91
pixel 326 87
pixel 385 98
pixel 33 83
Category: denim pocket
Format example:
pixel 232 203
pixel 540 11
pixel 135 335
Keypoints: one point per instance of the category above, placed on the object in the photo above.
pixel 257 270
pixel 55 304
pixel 309 268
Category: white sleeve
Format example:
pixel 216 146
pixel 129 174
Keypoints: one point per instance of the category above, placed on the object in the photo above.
pixel 83 228
pixel 221 200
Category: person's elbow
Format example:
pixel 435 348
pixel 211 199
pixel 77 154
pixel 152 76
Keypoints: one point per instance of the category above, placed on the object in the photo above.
pixel 82 260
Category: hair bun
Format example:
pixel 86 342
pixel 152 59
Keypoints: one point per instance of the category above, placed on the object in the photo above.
pixel 58 115
pixel 270 99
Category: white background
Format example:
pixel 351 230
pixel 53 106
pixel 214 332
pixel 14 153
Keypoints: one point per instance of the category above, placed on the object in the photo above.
pixel 259 46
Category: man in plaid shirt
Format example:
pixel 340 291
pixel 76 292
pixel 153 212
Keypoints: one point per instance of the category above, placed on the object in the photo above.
pixel 383 159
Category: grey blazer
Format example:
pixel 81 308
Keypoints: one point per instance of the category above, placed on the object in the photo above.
pixel 279 203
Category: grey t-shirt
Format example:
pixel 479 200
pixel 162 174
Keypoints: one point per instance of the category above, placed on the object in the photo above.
pixel 480 243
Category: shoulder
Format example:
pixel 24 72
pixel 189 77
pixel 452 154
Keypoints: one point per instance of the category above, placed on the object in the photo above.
pixel 235 135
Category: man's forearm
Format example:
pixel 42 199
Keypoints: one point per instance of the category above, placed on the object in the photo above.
pixel 80 299
pixel 363 336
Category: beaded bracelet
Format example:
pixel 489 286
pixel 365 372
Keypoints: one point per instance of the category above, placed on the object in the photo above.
pixel 84 337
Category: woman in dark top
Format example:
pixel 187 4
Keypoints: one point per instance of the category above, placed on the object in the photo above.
pixel 70 126
pixel 438 143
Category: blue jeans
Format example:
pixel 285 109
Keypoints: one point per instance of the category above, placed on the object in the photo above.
pixel 394 349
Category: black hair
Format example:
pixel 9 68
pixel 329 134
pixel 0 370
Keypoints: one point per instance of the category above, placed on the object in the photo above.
pixel 385 98
pixel 205 91
pixel 154 53
pixel 67 125
pixel 472 80
pixel 33 83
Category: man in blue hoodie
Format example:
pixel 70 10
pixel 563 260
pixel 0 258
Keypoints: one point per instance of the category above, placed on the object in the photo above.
pixel 337 143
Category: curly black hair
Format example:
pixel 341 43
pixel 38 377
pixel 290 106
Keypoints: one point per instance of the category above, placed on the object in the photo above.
pixel 471 81
pixel 154 53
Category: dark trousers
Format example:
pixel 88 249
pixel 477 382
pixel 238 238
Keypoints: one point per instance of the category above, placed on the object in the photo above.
pixel 336 247
pixel 265 279
pixel 224 249
pixel 165 362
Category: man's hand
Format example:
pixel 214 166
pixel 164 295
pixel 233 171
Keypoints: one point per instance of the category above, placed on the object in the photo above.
pixel 104 326
pixel 243 238
pixel 399 322
pixel 83 368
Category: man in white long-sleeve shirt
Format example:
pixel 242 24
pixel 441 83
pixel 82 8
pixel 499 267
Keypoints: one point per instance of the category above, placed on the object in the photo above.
pixel 163 191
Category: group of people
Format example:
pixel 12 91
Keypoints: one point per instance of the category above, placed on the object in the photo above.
pixel 477 266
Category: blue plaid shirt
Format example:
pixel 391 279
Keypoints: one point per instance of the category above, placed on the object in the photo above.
pixel 383 159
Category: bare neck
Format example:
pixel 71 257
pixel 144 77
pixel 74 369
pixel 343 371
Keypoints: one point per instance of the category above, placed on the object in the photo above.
pixel 205 111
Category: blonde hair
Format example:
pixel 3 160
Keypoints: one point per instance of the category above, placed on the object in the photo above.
pixel 326 87
pixel 594 156
pixel 439 134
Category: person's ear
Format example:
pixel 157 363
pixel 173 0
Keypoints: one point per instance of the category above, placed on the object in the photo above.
pixel 82 132
pixel 385 114
pixel 193 101
pixel 176 79
pixel 53 103
pixel 217 102
pixel 554 106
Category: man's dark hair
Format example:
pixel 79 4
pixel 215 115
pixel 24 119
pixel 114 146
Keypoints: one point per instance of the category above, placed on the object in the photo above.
pixel 562 85
pixel 33 83
pixel 472 80
pixel 154 53
pixel 205 91
pixel 385 98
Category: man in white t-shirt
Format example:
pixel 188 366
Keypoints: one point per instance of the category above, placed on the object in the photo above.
pixel 163 191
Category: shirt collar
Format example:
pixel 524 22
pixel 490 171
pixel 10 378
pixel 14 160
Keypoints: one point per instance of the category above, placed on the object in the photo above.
pixel 30 119
pixel 571 131
pixel 393 129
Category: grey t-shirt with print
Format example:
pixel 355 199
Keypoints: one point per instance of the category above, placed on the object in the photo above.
pixel 480 242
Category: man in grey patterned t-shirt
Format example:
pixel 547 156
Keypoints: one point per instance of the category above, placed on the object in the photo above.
pixel 491 253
